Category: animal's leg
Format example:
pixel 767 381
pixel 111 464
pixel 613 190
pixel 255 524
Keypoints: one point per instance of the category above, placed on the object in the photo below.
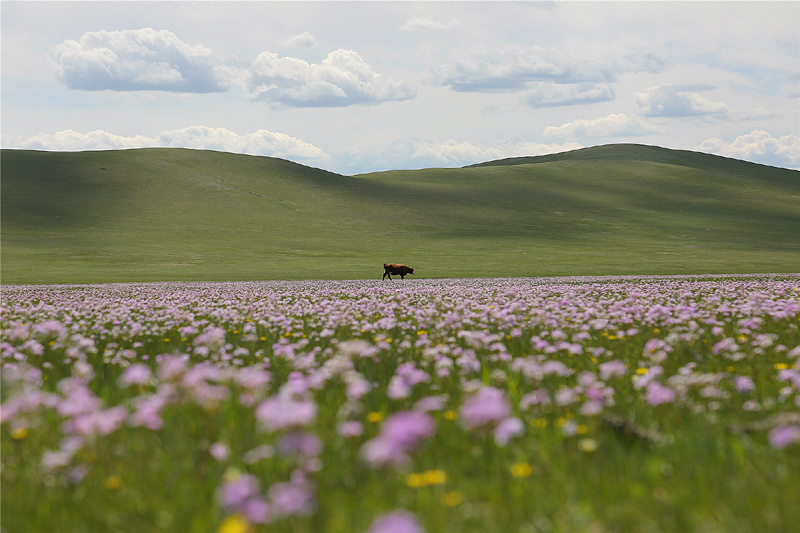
pixel 384 276
pixel 402 276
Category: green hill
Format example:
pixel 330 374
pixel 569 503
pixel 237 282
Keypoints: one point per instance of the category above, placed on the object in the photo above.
pixel 177 214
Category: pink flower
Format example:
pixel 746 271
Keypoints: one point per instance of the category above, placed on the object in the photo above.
pixel 351 428
pixel 396 522
pixel 233 495
pixel 612 368
pixel 744 384
pixel 138 374
pixel 282 412
pixel 399 435
pixel 488 405
pixel 508 429
pixel 783 436
pixel 219 451
pixel 658 394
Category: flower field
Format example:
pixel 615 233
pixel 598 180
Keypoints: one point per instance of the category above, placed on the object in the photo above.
pixel 520 404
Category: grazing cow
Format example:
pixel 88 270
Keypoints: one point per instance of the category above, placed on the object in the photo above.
pixel 397 270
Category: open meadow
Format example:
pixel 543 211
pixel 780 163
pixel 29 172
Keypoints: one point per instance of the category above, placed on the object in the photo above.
pixel 513 404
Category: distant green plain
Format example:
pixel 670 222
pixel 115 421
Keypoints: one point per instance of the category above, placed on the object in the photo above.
pixel 169 214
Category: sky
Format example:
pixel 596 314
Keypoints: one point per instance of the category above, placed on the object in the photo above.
pixel 356 87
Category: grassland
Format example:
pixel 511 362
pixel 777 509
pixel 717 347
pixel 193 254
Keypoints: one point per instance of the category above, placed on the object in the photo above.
pixel 176 214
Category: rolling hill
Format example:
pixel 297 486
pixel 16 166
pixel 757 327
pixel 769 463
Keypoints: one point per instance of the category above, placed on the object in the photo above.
pixel 179 214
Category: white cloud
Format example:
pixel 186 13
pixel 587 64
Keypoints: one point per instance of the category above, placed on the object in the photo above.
pixel 515 69
pixel 547 94
pixel 341 79
pixel 304 40
pixel 261 142
pixel 759 147
pixel 610 126
pixel 673 100
pixel 133 60
pixel 426 24
pixel 414 152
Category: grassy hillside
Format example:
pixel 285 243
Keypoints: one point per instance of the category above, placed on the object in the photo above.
pixel 176 214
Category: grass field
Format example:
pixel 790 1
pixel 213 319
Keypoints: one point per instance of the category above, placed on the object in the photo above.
pixel 175 214
pixel 520 405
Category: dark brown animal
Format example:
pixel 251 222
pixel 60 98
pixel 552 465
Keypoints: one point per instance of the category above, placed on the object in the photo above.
pixel 397 270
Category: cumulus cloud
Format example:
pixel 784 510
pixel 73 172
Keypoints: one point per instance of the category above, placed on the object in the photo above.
pixel 758 147
pixel 261 142
pixel 304 40
pixel 514 70
pixel 548 94
pixel 673 100
pixel 341 79
pixel 610 126
pixel 135 60
pixel 426 24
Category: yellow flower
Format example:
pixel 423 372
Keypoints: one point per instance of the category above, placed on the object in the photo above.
pixel 450 415
pixel 641 371
pixel 539 422
pixel 451 499
pixel 781 366
pixel 375 417
pixel 19 433
pixel 582 429
pixel 166 340
pixel 262 338
pixel 521 470
pixel 742 338
pixel 112 482
pixel 730 369
pixel 235 523
pixel 587 445
pixel 435 477
pixel 415 481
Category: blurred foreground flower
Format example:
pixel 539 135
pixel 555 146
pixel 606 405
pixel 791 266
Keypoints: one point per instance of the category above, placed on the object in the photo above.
pixel 396 522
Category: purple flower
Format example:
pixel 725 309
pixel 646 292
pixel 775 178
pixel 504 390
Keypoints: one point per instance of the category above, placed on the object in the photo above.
pixel 219 451
pixel 508 429
pixel 396 522
pixel 612 368
pixel 431 403
pixel 282 411
pixel 137 374
pixel 351 428
pixel 658 394
pixel 783 436
pixel 406 429
pixel 744 384
pixel 257 510
pixel 488 405
pixel 399 435
pixel 233 495
pixel 300 444
pixel 292 498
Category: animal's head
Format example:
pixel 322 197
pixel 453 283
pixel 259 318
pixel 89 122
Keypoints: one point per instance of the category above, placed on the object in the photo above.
pixel 410 270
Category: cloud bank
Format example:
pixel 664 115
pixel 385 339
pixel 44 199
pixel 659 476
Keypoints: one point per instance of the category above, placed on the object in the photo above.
pixel 341 79
pixel 261 142
pixel 610 126
pixel 515 69
pixel 759 147
pixel 137 60
pixel 672 100
pixel 548 94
